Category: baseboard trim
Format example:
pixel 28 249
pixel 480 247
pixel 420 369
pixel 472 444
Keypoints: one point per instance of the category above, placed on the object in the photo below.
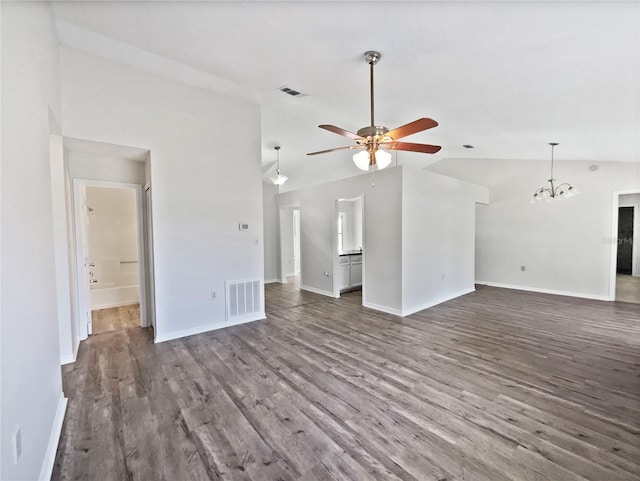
pixel 271 281
pixel 317 291
pixel 541 290
pixel 427 305
pixel 168 336
pixel 68 359
pixel 109 305
pixel 381 308
pixel 54 437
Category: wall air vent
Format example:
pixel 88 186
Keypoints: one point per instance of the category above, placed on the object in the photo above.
pixel 292 92
pixel 244 299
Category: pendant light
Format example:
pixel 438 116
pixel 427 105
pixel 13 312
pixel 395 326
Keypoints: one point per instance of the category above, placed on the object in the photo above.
pixel 553 191
pixel 278 179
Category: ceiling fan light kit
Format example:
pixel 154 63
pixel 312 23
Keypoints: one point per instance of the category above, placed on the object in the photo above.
pixel 278 179
pixel 553 191
pixel 376 140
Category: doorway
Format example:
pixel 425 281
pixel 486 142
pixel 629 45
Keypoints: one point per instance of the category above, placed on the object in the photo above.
pixel 112 241
pixel 624 258
pixel 625 250
pixel 349 243
pixel 290 266
pixel 111 257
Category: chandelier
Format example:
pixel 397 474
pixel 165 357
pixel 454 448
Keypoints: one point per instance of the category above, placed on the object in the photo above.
pixel 553 191
pixel 278 179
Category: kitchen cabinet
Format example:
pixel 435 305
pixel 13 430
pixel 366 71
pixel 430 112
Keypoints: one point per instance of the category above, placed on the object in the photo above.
pixel 350 272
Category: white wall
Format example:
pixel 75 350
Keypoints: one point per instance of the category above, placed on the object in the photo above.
pixel 565 246
pixel 633 200
pixel 30 383
pixel 62 252
pixel 382 232
pixel 206 177
pixel 352 234
pixel 270 231
pixel 357 223
pixel 438 238
pixel 101 167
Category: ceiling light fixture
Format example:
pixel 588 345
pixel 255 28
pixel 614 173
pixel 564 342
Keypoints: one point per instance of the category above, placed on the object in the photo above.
pixel 554 192
pixel 375 141
pixel 278 179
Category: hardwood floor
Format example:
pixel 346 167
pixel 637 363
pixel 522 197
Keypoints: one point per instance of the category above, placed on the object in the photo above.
pixel 627 288
pixel 497 385
pixel 115 318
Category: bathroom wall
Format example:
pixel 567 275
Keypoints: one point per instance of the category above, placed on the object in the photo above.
pixel 113 246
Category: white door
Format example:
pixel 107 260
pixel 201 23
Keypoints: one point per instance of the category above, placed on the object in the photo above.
pixel 84 263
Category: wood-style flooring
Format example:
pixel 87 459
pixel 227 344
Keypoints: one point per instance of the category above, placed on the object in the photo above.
pixel 115 318
pixel 627 288
pixel 496 385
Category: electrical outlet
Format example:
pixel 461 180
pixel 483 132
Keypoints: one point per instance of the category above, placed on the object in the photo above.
pixel 523 268
pixel 213 295
pixel 17 444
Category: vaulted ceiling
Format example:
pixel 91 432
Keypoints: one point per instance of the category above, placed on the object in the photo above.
pixel 505 77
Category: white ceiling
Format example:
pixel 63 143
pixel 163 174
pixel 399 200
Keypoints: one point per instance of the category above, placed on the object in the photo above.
pixel 506 77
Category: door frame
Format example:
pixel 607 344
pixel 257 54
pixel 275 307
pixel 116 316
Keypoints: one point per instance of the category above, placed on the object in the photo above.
pixel 285 217
pixel 613 240
pixel 82 285
pixel 336 256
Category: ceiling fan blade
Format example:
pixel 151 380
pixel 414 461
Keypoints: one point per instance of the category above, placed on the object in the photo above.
pixel 339 131
pixel 333 150
pixel 423 148
pixel 411 128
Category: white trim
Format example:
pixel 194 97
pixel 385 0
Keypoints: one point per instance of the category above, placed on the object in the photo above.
pixel 54 436
pixel 427 305
pixel 71 358
pixel 635 250
pixel 109 305
pixel 168 336
pixel 68 359
pixel 378 307
pixel 271 281
pixel 318 291
pixel 141 248
pixel 613 240
pixel 582 295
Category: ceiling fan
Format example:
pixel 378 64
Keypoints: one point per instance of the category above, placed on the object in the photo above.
pixel 375 140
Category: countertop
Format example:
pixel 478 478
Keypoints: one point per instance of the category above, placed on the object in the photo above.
pixel 351 253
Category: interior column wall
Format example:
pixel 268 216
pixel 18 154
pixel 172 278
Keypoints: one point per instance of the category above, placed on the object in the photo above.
pixel 31 386
pixel 382 235
pixel 206 176
pixel 438 238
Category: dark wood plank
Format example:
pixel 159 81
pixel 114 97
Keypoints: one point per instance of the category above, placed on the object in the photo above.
pixel 498 385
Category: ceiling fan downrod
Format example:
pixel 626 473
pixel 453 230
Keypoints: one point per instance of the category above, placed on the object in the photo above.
pixel 372 57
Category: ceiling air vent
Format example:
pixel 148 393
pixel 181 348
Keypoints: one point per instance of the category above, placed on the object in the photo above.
pixel 467 146
pixel 293 93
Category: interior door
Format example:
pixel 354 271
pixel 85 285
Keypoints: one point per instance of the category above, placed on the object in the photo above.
pixel 625 241
pixel 85 265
